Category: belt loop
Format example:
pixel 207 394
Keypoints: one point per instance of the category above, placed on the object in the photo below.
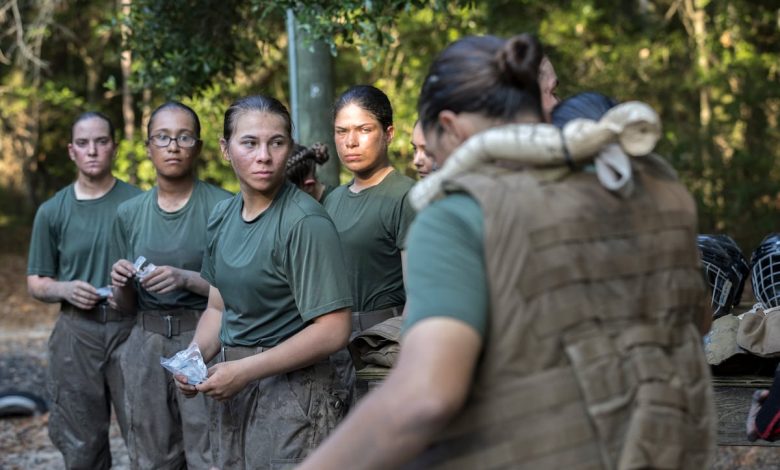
pixel 168 326
pixel 103 313
pixel 223 357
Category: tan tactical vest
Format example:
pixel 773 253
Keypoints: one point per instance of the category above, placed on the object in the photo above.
pixel 592 358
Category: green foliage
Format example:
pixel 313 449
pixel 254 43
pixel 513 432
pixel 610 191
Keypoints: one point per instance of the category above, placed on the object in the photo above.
pixel 716 89
pixel 184 46
pixel 210 106
pixel 364 24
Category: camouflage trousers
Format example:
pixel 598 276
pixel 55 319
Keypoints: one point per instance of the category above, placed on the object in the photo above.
pixel 84 379
pixel 166 429
pixel 275 422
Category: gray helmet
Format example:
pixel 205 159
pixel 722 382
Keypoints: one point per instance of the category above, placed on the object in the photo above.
pixel 721 273
pixel 765 267
pixel 740 263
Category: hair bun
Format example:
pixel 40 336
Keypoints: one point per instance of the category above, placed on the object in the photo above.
pixel 519 59
pixel 320 151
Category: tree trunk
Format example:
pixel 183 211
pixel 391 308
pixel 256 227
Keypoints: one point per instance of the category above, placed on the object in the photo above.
pixel 28 140
pixel 128 112
pixel 313 82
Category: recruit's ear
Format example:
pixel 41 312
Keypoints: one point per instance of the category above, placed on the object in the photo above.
pixel 453 128
pixel 223 145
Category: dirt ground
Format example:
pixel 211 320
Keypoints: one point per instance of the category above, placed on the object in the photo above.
pixel 25 325
pixel 24 328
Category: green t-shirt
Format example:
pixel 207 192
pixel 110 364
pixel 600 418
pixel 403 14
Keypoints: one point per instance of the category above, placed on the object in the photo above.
pixel 372 225
pixel 175 239
pixel 446 264
pixel 326 191
pixel 70 237
pixel 277 272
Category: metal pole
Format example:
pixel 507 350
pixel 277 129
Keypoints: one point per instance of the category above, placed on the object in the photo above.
pixel 292 54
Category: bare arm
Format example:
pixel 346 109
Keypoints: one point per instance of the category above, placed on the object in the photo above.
pixel 123 293
pixel 206 337
pixel 207 333
pixel 166 279
pixel 420 396
pixel 324 336
pixel 46 289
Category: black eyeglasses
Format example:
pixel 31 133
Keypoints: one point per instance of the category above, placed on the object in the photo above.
pixel 183 141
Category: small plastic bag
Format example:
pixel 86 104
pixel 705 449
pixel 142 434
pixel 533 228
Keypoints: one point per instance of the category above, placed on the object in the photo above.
pixel 143 267
pixel 103 292
pixel 189 363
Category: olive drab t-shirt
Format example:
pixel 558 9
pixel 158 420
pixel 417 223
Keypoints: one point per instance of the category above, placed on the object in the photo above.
pixel 445 266
pixel 277 272
pixel 175 239
pixel 326 191
pixel 70 237
pixel 372 225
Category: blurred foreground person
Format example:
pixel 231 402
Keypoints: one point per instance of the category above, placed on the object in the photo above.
pixel 167 226
pixel 552 322
pixel 68 263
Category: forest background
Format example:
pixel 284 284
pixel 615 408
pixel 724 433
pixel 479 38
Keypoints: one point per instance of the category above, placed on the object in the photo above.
pixel 710 68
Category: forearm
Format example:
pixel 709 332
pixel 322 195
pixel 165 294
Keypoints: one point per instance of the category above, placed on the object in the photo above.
pixel 46 289
pixel 312 344
pixel 194 283
pixel 207 333
pixel 408 424
pixel 425 390
pixel 125 298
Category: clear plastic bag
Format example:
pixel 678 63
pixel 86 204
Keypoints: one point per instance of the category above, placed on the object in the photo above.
pixel 103 292
pixel 143 267
pixel 189 363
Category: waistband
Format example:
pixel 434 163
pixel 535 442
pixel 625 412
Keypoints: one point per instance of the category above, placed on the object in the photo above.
pixel 169 323
pixel 234 353
pixel 365 320
pixel 102 313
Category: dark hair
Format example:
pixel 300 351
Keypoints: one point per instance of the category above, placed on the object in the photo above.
pixel 92 115
pixel 370 98
pixel 175 105
pixel 301 162
pixel 484 74
pixel 588 105
pixel 261 103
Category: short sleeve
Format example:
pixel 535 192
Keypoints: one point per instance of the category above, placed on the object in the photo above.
pixel 117 247
pixel 315 268
pixel 43 258
pixel 406 216
pixel 212 229
pixel 446 264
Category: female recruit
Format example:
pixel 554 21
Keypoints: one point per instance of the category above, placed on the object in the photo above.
pixel 371 212
pixel 167 226
pixel 68 262
pixel 422 163
pixel 279 302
